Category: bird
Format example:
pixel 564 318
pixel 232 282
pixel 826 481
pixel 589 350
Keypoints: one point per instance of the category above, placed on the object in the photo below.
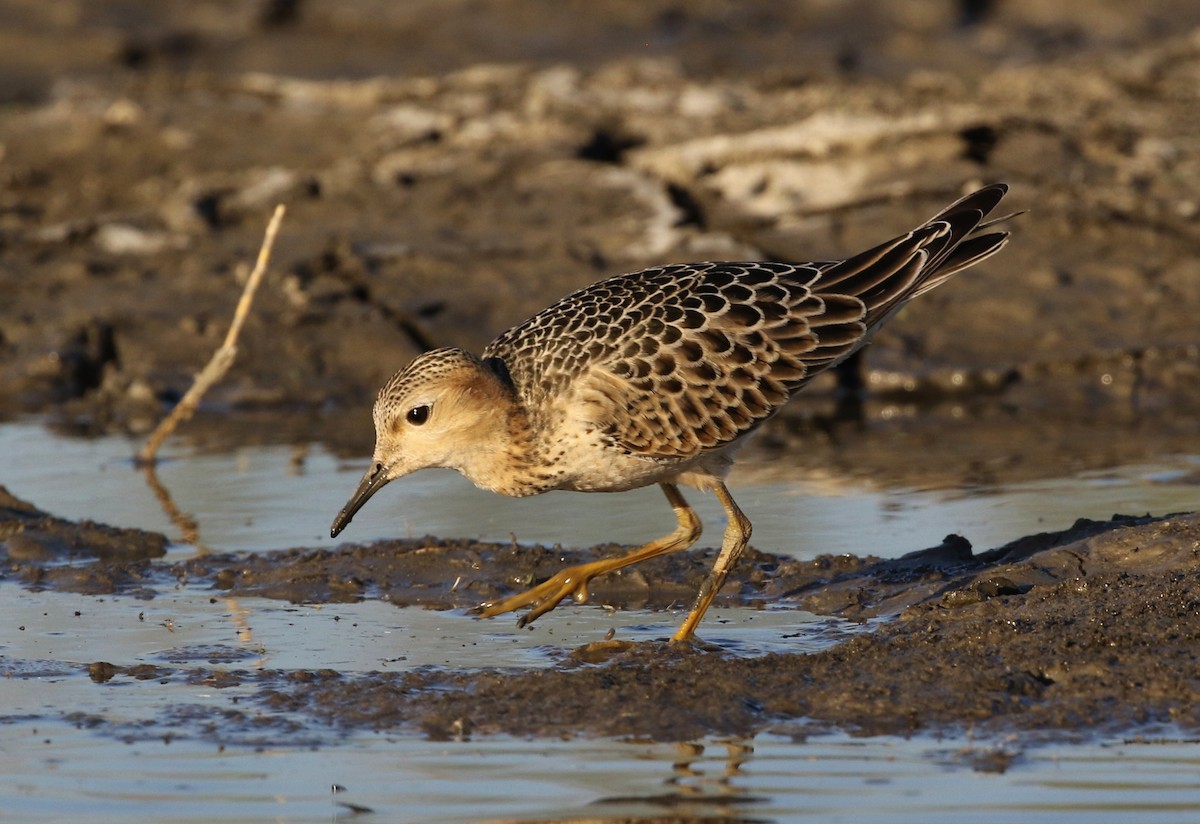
pixel 654 377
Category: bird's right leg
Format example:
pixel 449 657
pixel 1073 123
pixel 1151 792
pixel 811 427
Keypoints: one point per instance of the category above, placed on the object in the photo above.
pixel 573 581
pixel 737 536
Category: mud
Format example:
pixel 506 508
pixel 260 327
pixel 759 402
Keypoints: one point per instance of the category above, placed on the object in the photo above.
pixel 1074 633
pixel 42 551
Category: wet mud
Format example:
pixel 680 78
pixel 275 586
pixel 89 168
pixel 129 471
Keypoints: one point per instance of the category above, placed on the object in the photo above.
pixel 1063 634
pixel 40 550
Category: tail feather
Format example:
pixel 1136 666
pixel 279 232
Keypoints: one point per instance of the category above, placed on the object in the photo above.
pixel 888 276
pixel 966 254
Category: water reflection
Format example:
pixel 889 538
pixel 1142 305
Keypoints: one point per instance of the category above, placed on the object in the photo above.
pixel 279 497
pixel 702 786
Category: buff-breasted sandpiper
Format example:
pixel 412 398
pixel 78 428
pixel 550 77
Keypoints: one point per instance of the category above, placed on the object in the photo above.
pixel 654 377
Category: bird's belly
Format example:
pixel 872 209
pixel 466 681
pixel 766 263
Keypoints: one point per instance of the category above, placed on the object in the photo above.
pixel 595 468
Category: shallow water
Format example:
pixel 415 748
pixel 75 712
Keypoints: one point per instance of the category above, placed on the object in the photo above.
pixel 149 756
pixel 66 774
pixel 276 497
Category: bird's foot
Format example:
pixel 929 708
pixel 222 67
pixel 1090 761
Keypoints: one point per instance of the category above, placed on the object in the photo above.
pixel 570 582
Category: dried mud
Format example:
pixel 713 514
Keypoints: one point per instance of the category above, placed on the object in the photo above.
pixel 441 190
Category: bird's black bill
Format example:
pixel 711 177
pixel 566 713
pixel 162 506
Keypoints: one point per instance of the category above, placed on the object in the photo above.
pixel 372 482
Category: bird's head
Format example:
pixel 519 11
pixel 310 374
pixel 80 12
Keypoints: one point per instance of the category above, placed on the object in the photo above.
pixel 444 409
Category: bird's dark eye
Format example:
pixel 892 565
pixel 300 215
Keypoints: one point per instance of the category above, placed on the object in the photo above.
pixel 418 415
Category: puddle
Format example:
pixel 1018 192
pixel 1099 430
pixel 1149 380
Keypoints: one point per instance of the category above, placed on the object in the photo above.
pixel 275 497
pixel 153 752
pixel 63 773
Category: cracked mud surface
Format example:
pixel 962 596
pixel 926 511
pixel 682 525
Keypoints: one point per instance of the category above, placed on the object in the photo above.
pixel 442 191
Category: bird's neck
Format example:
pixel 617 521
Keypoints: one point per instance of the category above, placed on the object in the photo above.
pixel 504 454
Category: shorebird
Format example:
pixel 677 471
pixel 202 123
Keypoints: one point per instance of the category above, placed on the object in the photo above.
pixel 655 377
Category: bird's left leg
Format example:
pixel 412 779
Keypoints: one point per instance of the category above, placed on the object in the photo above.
pixel 737 536
pixel 573 581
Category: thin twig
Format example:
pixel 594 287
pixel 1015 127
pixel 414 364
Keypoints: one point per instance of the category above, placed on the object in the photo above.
pixel 223 357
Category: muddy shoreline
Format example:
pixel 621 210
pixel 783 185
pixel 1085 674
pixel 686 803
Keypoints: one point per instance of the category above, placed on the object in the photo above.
pixel 1055 636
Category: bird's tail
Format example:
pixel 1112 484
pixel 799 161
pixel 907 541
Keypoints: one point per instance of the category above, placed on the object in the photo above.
pixel 895 272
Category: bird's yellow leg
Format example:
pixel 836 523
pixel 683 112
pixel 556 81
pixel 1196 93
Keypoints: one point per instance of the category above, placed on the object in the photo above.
pixel 573 581
pixel 737 536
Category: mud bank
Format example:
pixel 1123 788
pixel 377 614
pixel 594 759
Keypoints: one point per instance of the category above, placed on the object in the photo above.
pixel 1090 630
pixel 1086 631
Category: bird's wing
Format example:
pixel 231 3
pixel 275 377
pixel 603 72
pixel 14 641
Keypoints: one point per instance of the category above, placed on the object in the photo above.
pixel 713 354
pixel 672 361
